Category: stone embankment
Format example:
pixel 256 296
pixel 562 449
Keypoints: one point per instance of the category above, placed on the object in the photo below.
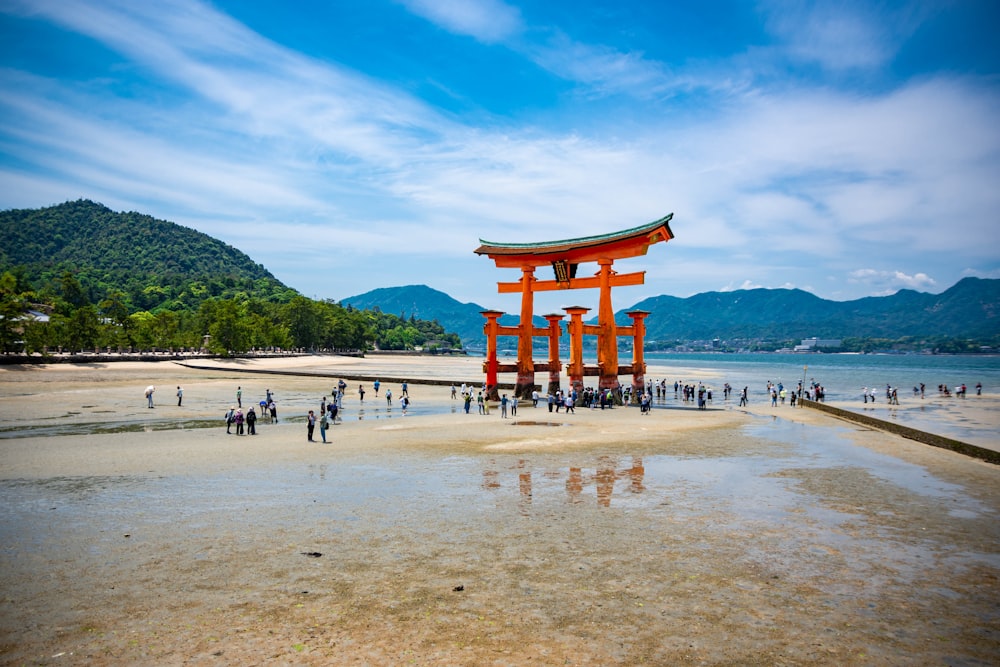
pixel 907 432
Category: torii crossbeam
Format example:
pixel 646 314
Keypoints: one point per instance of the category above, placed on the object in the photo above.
pixel 565 257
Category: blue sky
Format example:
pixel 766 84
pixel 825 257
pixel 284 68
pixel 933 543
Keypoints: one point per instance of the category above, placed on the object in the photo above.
pixel 847 149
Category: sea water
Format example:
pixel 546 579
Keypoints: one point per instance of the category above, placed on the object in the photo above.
pixel 843 376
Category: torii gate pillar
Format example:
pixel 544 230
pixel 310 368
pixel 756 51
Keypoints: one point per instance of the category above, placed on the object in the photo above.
pixel 575 329
pixel 554 365
pixel 638 359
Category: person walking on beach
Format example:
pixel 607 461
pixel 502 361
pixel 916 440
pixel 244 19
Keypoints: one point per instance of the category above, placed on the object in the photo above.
pixel 482 405
pixel 388 397
pixel 454 392
pixel 743 397
pixel 405 403
pixel 239 397
pixel 310 425
pixel 361 393
pixel 251 422
pixel 376 385
pixel 403 390
pixel 180 396
pixel 467 399
pixel 323 424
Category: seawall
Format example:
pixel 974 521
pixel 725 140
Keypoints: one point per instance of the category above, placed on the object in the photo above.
pixel 910 433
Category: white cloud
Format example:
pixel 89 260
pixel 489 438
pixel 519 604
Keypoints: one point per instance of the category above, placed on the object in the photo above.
pixel 839 36
pixel 251 141
pixel 889 282
pixel 489 21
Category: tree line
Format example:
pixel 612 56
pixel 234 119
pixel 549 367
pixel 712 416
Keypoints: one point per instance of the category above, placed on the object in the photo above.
pixel 225 315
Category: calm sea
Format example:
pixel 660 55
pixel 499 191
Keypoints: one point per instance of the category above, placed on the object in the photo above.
pixel 842 375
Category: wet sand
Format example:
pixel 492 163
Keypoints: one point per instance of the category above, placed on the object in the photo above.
pixel 683 537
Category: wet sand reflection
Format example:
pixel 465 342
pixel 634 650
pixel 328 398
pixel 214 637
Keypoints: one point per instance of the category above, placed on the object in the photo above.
pixel 602 478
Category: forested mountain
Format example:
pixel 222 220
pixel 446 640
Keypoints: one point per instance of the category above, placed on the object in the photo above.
pixel 101 279
pixel 421 301
pixel 155 263
pixel 970 309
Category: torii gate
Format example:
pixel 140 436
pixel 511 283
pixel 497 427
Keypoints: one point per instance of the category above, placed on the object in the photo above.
pixel 565 257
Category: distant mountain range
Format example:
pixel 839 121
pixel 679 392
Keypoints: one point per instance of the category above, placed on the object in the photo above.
pixel 970 308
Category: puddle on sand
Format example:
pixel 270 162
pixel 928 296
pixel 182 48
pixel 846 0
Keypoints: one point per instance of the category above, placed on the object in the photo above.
pixel 535 423
pixel 101 428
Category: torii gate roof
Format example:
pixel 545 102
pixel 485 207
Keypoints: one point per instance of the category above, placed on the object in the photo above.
pixel 616 245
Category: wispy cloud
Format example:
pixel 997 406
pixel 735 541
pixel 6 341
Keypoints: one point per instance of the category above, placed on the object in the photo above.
pixel 890 282
pixel 248 139
pixel 488 21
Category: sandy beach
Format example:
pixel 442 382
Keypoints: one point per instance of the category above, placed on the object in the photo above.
pixel 721 537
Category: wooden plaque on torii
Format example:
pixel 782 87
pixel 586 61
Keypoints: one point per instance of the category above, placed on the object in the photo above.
pixel 565 257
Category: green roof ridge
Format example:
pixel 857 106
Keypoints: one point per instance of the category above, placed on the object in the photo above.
pixel 584 239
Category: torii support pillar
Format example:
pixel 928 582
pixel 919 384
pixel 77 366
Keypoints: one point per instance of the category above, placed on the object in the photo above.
pixel 575 329
pixel 554 364
pixel 492 365
pixel 607 339
pixel 638 359
pixel 525 365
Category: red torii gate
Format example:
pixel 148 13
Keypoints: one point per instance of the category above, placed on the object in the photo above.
pixel 565 257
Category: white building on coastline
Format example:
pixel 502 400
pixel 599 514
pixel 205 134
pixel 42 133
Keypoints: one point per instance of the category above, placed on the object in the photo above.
pixel 813 344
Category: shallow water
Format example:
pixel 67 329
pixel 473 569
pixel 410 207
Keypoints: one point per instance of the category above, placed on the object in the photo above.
pixel 728 539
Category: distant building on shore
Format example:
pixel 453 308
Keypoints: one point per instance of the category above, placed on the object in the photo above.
pixel 813 344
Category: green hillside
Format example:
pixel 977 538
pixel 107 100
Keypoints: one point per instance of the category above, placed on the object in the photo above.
pixel 98 279
pixel 155 263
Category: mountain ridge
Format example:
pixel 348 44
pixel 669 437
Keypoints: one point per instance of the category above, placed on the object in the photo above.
pixel 970 308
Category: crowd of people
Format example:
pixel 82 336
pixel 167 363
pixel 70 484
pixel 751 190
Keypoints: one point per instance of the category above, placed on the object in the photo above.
pixel 590 398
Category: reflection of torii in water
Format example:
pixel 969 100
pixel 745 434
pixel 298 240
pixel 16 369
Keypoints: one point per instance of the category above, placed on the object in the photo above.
pixel 565 257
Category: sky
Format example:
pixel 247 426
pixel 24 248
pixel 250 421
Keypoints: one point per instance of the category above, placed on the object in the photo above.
pixel 849 149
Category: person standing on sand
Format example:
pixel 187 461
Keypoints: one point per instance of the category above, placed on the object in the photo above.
pixel 251 422
pixel 149 395
pixel 513 405
pixel 454 392
pixel 503 406
pixel 323 424
pixel 180 396
pixel 239 397
pixel 310 425
pixel 361 393
pixel 388 397
pixel 376 385
pixel 273 409
pixel 239 421
pixel 230 417
pixel 403 391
